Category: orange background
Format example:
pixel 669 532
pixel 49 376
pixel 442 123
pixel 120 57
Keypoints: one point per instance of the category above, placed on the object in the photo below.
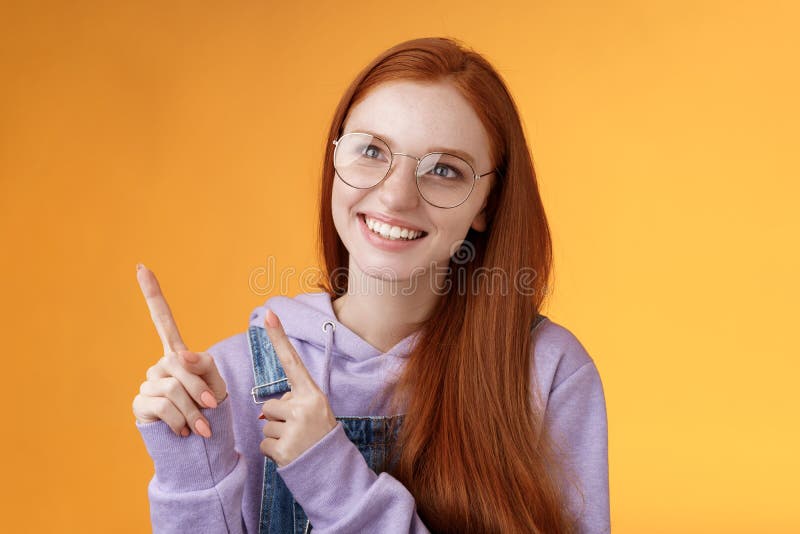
pixel 188 136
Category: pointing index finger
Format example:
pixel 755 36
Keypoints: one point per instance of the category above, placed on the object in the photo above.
pixel 293 366
pixel 159 310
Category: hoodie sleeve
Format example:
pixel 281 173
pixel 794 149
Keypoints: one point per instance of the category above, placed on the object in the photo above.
pixel 198 483
pixel 340 492
pixel 576 414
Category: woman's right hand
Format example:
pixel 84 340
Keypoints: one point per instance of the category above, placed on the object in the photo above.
pixel 180 382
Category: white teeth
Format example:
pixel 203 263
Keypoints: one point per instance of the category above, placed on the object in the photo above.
pixel 391 232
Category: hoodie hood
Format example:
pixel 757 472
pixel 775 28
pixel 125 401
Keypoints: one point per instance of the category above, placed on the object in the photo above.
pixel 309 319
pixel 304 316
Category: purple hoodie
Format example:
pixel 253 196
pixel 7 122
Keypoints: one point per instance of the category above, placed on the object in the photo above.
pixel 215 485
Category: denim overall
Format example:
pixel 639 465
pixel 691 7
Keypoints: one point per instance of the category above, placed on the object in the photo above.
pixel 280 513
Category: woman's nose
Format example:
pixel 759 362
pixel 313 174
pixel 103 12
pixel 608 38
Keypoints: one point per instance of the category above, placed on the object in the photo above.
pixel 398 190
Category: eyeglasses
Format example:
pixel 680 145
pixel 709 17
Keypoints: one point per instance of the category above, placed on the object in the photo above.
pixel 363 160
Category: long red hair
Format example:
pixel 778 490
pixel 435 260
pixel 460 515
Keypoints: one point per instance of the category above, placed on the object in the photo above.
pixel 472 450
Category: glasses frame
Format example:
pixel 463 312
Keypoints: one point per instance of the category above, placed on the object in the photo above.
pixel 475 176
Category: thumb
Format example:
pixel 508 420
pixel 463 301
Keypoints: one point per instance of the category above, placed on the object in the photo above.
pixel 203 365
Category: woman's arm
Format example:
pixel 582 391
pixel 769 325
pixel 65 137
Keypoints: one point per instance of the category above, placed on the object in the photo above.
pixel 198 482
pixel 340 493
pixel 576 417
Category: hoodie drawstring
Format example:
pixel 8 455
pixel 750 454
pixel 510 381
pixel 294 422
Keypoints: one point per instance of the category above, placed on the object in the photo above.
pixel 326 372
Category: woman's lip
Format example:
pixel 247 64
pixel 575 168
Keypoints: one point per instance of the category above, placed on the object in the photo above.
pixel 383 243
pixel 389 222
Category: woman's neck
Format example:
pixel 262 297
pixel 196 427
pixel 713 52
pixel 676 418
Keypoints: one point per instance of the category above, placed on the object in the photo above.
pixel 381 313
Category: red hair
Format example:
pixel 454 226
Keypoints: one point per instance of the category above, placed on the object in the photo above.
pixel 472 449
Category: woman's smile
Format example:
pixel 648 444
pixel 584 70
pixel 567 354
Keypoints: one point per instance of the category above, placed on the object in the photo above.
pixel 388 237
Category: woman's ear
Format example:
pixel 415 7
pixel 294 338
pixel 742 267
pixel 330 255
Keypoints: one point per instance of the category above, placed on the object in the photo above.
pixel 479 222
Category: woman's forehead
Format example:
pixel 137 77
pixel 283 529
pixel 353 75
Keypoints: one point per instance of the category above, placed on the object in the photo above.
pixel 416 116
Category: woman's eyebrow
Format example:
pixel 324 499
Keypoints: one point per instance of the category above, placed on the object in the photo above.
pixel 454 151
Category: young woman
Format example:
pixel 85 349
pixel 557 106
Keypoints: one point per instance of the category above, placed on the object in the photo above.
pixel 419 389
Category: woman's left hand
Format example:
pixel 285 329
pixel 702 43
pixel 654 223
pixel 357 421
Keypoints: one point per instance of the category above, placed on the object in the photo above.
pixel 302 416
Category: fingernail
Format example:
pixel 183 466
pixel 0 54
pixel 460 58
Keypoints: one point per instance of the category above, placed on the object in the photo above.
pixel 261 416
pixel 139 266
pixel 185 432
pixel 208 399
pixel 271 319
pixel 202 428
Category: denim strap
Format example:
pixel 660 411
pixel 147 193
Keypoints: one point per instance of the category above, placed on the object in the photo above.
pixel 268 373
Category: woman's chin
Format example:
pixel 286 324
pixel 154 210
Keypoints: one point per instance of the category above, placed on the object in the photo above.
pixel 389 271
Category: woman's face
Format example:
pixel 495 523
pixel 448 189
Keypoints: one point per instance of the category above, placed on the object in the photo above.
pixel 413 118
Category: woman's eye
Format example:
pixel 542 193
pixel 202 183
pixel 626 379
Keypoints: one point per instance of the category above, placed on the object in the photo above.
pixel 445 171
pixel 371 151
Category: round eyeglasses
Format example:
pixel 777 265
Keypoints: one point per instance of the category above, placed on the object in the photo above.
pixel 363 160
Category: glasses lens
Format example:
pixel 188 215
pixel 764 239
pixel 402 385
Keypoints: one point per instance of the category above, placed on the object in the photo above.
pixel 361 160
pixel 445 180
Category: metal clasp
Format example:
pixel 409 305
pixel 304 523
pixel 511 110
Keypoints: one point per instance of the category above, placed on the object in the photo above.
pixel 253 391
